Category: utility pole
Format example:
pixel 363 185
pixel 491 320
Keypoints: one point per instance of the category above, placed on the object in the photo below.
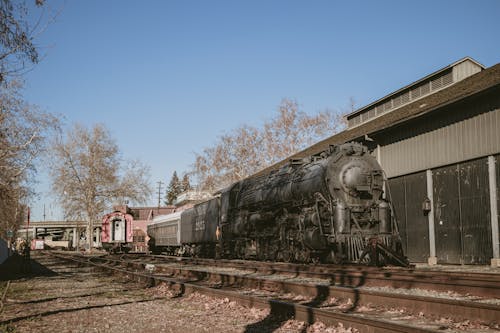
pixel 160 183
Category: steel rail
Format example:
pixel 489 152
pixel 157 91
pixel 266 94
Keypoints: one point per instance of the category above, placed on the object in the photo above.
pixel 458 309
pixel 280 308
pixel 477 284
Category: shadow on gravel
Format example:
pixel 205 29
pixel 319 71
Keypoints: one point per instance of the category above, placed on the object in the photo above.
pixel 17 267
pixel 54 312
pixel 281 312
pixel 49 299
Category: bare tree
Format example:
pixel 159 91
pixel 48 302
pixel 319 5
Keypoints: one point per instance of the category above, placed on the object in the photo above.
pixel 235 156
pixel 23 137
pixel 247 149
pixel 18 31
pixel 292 130
pixel 23 128
pixel 88 175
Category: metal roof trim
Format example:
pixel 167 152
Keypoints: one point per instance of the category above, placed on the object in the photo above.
pixel 415 83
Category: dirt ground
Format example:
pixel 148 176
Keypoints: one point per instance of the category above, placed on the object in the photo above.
pixel 57 297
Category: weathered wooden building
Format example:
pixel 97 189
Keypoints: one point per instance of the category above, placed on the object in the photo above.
pixel 438 140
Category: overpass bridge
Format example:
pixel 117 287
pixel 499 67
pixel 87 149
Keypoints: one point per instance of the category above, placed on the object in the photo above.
pixel 71 231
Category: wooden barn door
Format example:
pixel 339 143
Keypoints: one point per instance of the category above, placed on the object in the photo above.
pixel 462 213
pixel 417 222
pixel 407 194
pixel 447 215
pixel 475 212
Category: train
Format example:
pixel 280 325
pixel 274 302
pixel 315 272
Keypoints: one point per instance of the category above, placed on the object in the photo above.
pixel 124 229
pixel 116 232
pixel 325 208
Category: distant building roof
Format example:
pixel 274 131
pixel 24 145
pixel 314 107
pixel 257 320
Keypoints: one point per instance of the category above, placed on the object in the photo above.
pixel 191 197
pixel 144 213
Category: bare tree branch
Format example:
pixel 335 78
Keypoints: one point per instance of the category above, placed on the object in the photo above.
pixel 17 35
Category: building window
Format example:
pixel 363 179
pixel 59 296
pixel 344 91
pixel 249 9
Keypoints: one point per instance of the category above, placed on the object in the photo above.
pixel 138 239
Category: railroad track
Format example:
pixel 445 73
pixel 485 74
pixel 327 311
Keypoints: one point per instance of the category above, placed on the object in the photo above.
pixel 473 284
pixel 251 290
pixel 460 308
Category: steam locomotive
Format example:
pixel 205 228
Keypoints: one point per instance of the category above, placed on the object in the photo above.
pixel 326 208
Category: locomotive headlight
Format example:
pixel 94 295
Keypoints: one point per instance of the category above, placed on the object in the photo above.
pixel 354 178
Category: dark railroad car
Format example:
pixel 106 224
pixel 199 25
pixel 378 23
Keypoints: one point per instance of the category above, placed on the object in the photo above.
pixel 199 228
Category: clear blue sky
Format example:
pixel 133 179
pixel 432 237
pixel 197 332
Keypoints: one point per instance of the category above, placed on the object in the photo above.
pixel 168 77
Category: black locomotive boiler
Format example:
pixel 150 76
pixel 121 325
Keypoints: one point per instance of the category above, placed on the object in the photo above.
pixel 324 208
